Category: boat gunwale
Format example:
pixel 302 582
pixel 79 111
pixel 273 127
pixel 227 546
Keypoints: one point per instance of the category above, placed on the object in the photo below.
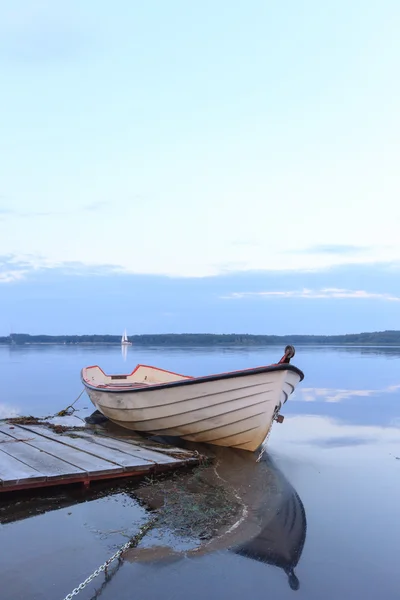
pixel 188 380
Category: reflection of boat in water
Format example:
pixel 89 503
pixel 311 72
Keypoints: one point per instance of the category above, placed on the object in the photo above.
pixel 234 409
pixel 268 526
pixel 281 541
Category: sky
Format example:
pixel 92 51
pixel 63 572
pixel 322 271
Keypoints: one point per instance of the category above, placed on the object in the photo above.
pixel 214 166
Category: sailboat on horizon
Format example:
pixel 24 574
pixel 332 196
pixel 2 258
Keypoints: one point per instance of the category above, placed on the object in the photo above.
pixel 124 340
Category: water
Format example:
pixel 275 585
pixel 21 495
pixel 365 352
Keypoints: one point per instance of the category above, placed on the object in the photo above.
pixel 324 510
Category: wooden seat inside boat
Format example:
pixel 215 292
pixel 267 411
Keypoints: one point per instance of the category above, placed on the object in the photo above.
pixel 129 384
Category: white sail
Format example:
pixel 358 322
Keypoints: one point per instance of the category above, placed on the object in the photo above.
pixel 124 339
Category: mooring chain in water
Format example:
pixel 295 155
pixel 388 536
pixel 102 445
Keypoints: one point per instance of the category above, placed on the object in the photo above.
pixel 108 576
pixel 133 542
pixel 264 444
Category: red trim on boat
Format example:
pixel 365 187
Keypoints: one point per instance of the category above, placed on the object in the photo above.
pixel 231 374
pixel 135 369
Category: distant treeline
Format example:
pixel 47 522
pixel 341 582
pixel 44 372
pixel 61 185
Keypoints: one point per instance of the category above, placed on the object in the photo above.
pixel 209 339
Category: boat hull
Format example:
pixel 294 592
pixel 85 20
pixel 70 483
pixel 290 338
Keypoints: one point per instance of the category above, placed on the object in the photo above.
pixel 235 411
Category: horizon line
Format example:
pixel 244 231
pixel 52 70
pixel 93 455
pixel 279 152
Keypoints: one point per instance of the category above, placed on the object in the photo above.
pixel 208 334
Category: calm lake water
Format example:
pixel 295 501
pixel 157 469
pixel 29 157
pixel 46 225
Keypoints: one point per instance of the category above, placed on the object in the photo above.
pixel 328 520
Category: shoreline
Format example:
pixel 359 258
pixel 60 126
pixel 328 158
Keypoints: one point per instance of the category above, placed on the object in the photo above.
pixel 207 340
pixel 211 345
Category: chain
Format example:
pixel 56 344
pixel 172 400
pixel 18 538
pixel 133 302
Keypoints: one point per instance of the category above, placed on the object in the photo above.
pixel 133 542
pixel 265 442
pixel 107 579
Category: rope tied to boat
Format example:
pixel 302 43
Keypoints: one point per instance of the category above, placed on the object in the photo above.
pixel 69 410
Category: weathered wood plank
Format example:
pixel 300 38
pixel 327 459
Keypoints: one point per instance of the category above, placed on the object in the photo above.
pixel 116 459
pixel 87 462
pixel 40 455
pixel 115 444
pixel 36 456
pixel 12 471
pixel 142 442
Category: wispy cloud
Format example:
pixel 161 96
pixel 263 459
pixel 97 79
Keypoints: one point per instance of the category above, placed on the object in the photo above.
pixel 13 213
pixel 324 293
pixel 337 249
pixel 8 212
pixel 250 243
pixel 38 214
pixel 84 270
pixel 96 206
pixel 12 269
pixel 11 276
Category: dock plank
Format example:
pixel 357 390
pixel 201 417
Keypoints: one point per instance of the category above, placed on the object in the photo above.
pixel 87 462
pixel 12 471
pixel 115 458
pixel 142 442
pixel 130 449
pixel 40 455
pixel 35 456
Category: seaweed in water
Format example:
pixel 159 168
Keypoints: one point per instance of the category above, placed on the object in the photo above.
pixel 189 505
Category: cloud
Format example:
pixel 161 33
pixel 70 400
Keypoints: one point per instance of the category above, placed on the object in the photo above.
pixel 250 243
pixel 12 269
pixel 107 298
pixel 335 249
pixel 37 214
pixel 96 206
pixel 34 268
pixel 11 276
pixel 81 270
pixel 13 213
pixel 324 293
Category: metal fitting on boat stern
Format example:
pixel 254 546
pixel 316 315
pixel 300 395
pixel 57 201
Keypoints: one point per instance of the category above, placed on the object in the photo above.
pixel 277 417
pixel 289 353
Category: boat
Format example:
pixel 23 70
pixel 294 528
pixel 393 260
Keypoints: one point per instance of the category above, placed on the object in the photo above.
pixel 124 340
pixel 234 409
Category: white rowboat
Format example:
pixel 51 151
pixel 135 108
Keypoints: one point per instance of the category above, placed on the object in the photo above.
pixel 233 409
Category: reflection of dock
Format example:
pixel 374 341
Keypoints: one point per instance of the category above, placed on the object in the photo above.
pixel 36 456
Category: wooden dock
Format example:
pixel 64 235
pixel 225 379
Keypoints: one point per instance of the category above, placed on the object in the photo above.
pixel 36 455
